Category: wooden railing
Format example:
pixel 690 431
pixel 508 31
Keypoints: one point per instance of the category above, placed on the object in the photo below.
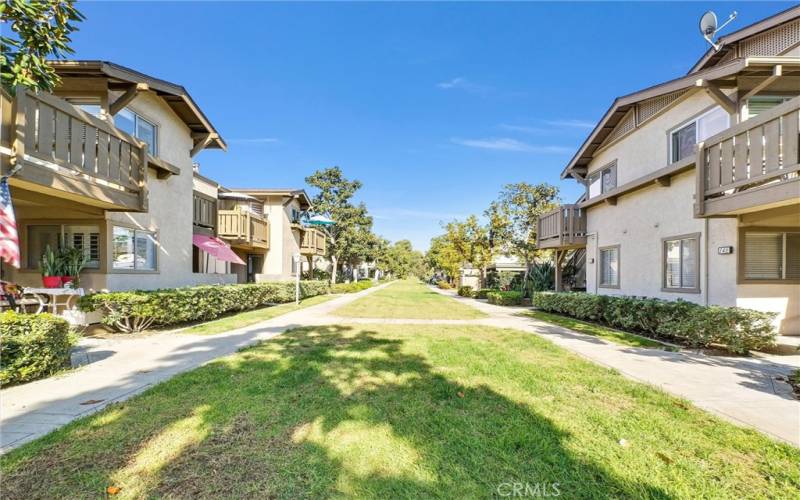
pixel 565 226
pixel 61 146
pixel 312 242
pixel 752 163
pixel 243 228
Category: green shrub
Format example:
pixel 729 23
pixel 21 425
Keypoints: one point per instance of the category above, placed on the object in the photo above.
pixel 465 291
pixel 483 292
pixel 352 287
pixel 444 285
pixel 505 298
pixel 33 346
pixel 690 324
pixel 138 310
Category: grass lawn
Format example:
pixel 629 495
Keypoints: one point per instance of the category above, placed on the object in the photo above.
pixel 399 411
pixel 247 318
pixel 604 332
pixel 409 300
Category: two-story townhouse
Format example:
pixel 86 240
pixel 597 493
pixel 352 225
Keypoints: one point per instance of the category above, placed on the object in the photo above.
pixel 104 163
pixel 692 188
pixel 264 227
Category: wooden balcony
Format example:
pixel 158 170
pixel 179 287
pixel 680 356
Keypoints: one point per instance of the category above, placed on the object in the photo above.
pixel 751 166
pixel 312 242
pixel 243 229
pixel 563 227
pixel 64 152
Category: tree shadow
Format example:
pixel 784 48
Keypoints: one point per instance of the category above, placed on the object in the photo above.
pixel 318 411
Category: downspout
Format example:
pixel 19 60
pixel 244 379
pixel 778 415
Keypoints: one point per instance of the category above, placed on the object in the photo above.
pixel 705 250
pixel 596 274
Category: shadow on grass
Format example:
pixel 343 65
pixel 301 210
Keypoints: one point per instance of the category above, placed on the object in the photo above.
pixel 316 412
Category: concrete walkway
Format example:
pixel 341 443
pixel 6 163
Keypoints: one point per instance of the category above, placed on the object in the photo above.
pixel 746 391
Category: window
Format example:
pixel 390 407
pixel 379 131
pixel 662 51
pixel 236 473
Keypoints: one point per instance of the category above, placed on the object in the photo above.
pixel 684 138
pixel 55 236
pixel 681 263
pixel 604 180
pixel 609 267
pixel 128 121
pixel 771 255
pixel 133 249
pixel 759 104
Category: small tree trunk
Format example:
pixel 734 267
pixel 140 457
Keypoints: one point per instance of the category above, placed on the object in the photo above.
pixel 334 265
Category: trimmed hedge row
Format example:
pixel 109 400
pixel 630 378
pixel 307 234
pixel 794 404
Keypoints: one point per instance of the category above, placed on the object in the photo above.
pixel 352 287
pixel 444 285
pixel 484 292
pixel 138 310
pixel 33 346
pixel 739 330
pixel 504 298
pixel 466 291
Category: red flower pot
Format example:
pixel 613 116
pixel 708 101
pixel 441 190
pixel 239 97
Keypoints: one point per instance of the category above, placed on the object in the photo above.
pixel 65 280
pixel 51 281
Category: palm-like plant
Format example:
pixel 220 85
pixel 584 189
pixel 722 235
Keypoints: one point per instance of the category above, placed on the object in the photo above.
pixel 50 264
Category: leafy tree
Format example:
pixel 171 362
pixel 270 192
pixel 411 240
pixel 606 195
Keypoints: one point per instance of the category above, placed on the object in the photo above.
pixel 442 256
pixel 350 236
pixel 513 217
pixel 403 261
pixel 471 242
pixel 41 30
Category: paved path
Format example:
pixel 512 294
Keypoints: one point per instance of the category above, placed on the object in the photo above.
pixel 746 391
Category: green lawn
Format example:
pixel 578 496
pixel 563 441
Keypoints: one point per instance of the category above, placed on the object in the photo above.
pixel 408 299
pixel 604 332
pixel 247 318
pixel 399 411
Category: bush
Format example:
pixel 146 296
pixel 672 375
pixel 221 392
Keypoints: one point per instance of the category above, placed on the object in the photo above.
pixel 739 330
pixel 352 287
pixel 483 292
pixel 138 310
pixel 505 298
pixel 444 285
pixel 465 291
pixel 33 346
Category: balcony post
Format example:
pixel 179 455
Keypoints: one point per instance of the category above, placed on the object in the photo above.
pixel 700 181
pixel 20 105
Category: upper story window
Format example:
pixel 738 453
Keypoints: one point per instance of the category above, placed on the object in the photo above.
pixel 603 180
pixel 296 214
pixel 128 121
pixel 683 139
pixel 761 103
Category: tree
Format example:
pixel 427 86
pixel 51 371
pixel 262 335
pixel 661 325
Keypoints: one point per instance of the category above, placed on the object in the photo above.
pixel 443 257
pixel 403 261
pixel 349 237
pixel 41 30
pixel 471 242
pixel 514 215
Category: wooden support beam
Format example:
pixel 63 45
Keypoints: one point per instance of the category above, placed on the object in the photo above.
pixel 718 95
pixel 612 200
pixel 777 72
pixel 203 143
pixel 126 98
pixel 663 181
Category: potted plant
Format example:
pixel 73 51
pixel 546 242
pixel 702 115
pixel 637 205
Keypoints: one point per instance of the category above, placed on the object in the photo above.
pixel 50 266
pixel 74 260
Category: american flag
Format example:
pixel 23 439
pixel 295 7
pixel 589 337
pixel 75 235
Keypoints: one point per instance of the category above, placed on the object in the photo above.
pixel 9 239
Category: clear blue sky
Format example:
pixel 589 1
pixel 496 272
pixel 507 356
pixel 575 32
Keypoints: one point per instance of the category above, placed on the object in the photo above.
pixel 432 106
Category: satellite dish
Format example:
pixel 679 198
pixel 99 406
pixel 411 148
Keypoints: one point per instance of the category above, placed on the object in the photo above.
pixel 709 27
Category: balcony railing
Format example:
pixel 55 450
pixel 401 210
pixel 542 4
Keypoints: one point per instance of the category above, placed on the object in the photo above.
pixel 312 242
pixel 243 228
pixel 752 164
pixel 66 152
pixel 563 227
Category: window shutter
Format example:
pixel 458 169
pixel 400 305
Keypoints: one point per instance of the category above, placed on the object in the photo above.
pixel 763 255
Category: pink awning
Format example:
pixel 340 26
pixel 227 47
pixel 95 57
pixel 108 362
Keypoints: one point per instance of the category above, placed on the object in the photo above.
pixel 216 247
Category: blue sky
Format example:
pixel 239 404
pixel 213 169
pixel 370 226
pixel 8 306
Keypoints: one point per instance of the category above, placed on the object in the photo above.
pixel 432 106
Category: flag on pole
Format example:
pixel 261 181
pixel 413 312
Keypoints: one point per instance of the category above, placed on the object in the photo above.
pixel 9 239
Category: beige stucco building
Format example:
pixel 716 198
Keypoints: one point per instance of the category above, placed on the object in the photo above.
pixel 692 188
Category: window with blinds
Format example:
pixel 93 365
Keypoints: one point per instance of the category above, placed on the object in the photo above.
pixel 86 238
pixel 771 255
pixel 681 263
pixel 609 267
pixel 603 181
pixel 759 104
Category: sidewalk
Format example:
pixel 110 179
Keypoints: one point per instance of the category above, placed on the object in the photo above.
pixel 124 367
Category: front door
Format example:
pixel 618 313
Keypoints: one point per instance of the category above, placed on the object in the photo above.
pixel 254 265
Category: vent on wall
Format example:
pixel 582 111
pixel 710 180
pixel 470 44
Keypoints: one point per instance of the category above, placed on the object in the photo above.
pixel 625 125
pixel 773 42
pixel 649 108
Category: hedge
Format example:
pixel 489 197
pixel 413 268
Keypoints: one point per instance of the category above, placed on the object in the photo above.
pixel 352 287
pixel 484 292
pixel 465 291
pixel 739 330
pixel 505 298
pixel 444 285
pixel 33 346
pixel 135 311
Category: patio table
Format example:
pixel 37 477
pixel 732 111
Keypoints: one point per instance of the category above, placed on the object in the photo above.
pixel 71 297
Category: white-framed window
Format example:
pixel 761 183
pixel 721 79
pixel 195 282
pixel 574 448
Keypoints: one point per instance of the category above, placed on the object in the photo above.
pixel 603 180
pixel 609 267
pixel 133 249
pixel 144 130
pixel 770 255
pixel 683 139
pixel 760 103
pixel 681 263
pixel 85 237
